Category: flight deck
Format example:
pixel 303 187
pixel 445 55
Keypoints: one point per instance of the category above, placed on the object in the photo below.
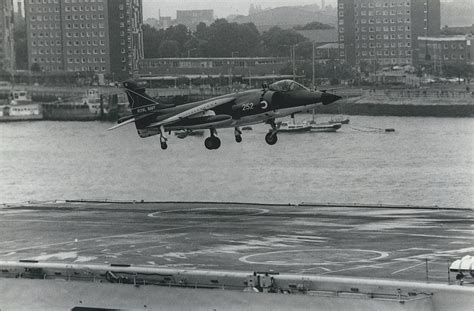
pixel 402 243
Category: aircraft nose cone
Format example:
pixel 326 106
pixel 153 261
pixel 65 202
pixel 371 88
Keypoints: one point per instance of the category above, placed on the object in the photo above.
pixel 328 98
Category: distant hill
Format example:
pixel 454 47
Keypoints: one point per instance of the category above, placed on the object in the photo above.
pixel 287 17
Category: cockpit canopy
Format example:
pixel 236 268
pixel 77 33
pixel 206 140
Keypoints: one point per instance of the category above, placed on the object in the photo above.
pixel 286 86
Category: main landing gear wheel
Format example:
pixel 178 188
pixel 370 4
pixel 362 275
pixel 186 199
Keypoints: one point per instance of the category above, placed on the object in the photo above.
pixel 271 138
pixel 164 145
pixel 212 143
pixel 238 138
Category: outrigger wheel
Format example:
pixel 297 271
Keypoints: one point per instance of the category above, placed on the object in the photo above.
pixel 164 145
pixel 238 135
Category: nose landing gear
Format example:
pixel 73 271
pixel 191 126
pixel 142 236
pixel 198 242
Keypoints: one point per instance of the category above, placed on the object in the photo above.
pixel 271 137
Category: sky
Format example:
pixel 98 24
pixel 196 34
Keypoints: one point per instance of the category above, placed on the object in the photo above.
pixel 222 8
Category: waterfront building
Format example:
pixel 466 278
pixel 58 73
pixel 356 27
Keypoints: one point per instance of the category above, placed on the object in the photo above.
pixel 191 18
pixel 80 35
pixel 125 38
pixel 436 52
pixel 326 52
pixel 213 66
pixel 7 52
pixel 385 32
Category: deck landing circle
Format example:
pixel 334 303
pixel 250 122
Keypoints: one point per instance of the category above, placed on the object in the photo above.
pixel 314 257
pixel 222 211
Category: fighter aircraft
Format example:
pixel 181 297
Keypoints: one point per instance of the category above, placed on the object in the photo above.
pixel 280 99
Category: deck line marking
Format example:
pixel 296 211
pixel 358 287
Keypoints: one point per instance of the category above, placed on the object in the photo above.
pixel 408 268
pixel 92 239
pixel 357 267
pixel 63 221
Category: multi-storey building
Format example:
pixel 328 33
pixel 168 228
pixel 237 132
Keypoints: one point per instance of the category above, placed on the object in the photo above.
pixel 126 37
pixel 385 31
pixel 83 35
pixel 213 66
pixel 7 53
pixel 435 52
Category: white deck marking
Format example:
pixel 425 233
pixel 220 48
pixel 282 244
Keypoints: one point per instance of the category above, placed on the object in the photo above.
pixel 359 267
pixel 91 239
pixel 258 210
pixel 245 259
pixel 408 268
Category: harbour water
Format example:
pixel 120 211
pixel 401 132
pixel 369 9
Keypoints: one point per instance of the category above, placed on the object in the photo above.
pixel 426 161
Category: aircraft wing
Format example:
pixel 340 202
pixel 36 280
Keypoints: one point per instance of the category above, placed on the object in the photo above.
pixel 194 111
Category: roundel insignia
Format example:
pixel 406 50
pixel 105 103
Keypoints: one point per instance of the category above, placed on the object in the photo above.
pixel 264 104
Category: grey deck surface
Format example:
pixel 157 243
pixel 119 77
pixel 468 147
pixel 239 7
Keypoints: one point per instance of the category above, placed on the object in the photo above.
pixel 388 243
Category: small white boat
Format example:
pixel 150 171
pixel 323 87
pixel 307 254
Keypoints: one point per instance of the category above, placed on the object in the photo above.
pixel 292 127
pixel 339 119
pixel 322 127
pixel 327 127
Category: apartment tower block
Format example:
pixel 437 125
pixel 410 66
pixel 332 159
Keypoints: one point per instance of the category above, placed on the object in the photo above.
pixel 385 32
pixel 7 52
pixel 84 35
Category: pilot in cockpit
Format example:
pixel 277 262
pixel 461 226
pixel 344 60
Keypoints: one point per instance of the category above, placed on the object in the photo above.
pixel 286 86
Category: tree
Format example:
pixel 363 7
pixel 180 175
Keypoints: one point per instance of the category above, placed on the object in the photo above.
pixel 169 48
pixel 179 33
pixel 277 41
pixel 313 26
pixel 151 41
pixel 225 39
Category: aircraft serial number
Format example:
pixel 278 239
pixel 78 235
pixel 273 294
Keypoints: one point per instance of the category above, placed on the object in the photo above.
pixel 247 106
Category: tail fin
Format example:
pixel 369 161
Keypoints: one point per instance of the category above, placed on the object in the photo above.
pixel 144 107
pixel 136 95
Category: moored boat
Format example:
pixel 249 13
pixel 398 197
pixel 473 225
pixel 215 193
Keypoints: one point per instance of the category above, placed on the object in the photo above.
pixel 339 119
pixel 20 107
pixel 89 107
pixel 292 127
pixel 326 127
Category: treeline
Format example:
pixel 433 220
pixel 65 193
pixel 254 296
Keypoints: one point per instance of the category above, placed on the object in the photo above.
pixel 222 39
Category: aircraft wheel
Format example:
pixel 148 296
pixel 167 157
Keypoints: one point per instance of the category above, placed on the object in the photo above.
pixel 271 138
pixel 209 143
pixel 238 138
pixel 216 142
pixel 164 145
